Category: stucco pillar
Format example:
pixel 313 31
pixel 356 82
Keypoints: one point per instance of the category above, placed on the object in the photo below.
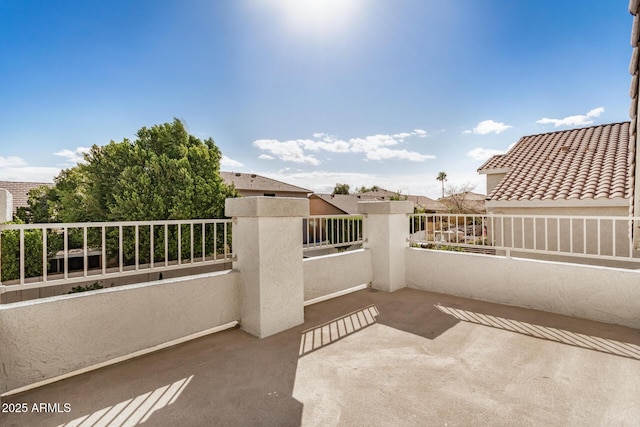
pixel 386 229
pixel 6 206
pixel 267 247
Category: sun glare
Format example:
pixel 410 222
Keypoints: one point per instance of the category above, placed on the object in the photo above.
pixel 318 17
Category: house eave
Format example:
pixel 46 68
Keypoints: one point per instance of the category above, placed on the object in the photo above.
pixel 492 171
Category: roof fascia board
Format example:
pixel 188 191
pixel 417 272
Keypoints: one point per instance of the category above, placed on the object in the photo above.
pixel 493 171
pixel 617 202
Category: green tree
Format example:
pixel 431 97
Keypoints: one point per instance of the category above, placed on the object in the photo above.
pixel 398 196
pixel 41 206
pixel 10 255
pixel 364 189
pixel 341 189
pixel 165 173
pixel 442 177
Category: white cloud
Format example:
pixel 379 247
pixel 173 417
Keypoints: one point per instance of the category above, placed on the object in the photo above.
pixel 12 161
pixel 488 126
pixel 73 156
pixel 402 135
pixel 386 153
pixel 577 120
pixel 328 143
pixel 374 147
pixel 289 151
pixel 226 161
pixel 16 169
pixel 266 157
pixel 483 153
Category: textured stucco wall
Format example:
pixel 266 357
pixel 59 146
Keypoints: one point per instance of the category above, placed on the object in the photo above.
pixel 327 274
pixel 267 237
pixel 493 179
pixel 45 338
pixel 385 232
pixel 597 293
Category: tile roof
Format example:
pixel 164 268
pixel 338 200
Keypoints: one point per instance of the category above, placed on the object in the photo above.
pixel 19 191
pixel 251 181
pixel 587 163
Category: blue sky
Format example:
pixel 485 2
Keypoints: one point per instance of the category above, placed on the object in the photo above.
pixel 311 92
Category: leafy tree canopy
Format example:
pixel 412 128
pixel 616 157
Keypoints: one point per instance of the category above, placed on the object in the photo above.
pixel 365 189
pixel 164 174
pixel 341 189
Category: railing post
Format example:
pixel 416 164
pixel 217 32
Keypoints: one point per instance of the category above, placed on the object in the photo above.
pixel 386 231
pixel 6 206
pixel 267 246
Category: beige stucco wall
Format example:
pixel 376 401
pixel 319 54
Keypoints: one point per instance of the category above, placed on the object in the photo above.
pixel 597 293
pixel 46 338
pixel 324 275
pixel 493 179
pixel 267 237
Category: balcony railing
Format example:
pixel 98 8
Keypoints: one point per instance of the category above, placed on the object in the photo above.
pixel 328 231
pixel 40 255
pixel 601 237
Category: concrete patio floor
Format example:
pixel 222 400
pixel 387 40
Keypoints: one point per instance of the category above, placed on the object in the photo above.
pixel 369 358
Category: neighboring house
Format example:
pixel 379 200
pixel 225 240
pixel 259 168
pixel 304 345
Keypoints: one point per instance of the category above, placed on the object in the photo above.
pixel 20 194
pixel 466 202
pixel 347 204
pixel 250 184
pixel 582 171
pixel 422 203
pixel 336 204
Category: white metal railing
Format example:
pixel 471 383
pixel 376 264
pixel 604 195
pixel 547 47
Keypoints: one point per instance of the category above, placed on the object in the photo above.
pixel 601 237
pixel 330 231
pixel 40 255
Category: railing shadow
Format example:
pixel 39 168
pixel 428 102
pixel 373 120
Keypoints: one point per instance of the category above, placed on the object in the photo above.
pixel 602 344
pixel 133 411
pixel 319 336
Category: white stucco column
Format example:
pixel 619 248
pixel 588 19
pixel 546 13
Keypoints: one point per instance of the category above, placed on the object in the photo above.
pixel 267 246
pixel 386 229
pixel 6 205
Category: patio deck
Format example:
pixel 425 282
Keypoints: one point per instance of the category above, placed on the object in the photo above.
pixel 425 359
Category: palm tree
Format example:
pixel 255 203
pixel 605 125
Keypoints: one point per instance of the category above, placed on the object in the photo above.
pixel 442 177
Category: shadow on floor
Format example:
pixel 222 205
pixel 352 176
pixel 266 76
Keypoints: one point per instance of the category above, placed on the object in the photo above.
pixel 602 338
pixel 329 332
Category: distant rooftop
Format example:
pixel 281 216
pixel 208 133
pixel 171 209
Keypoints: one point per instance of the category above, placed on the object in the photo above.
pixel 252 181
pixel 585 163
pixel 348 203
pixel 20 190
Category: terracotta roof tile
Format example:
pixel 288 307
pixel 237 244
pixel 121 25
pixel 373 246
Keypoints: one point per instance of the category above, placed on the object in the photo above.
pixel 585 163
